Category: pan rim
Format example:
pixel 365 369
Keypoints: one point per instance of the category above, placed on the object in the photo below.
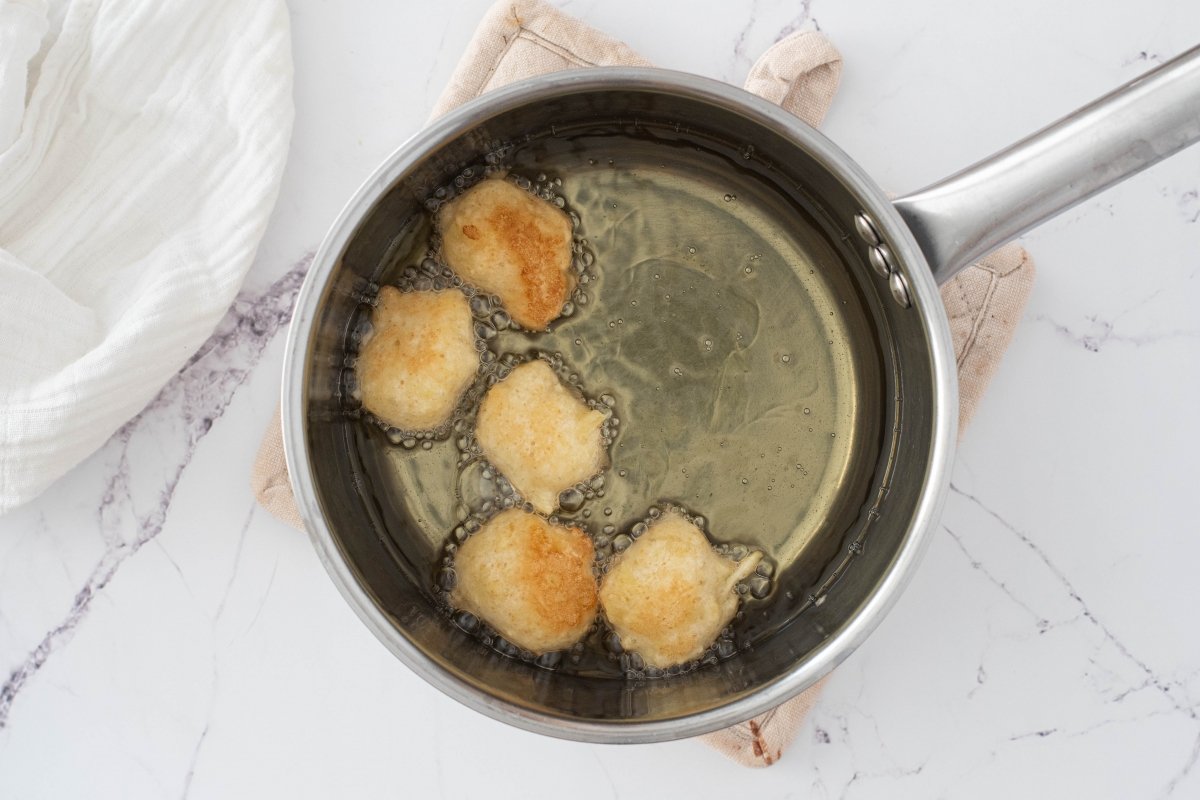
pixel 926 302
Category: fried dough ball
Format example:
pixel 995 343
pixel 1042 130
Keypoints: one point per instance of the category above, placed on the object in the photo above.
pixel 539 434
pixel 530 580
pixel 516 246
pixel 419 358
pixel 670 594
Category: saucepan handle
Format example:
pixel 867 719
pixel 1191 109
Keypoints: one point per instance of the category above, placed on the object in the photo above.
pixel 996 200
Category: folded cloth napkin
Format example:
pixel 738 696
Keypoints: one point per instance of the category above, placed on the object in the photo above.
pixel 984 302
pixel 141 148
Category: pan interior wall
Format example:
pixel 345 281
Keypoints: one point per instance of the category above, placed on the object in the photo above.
pixel 749 355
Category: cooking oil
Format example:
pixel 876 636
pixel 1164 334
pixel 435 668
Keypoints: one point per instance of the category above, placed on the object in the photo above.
pixel 716 325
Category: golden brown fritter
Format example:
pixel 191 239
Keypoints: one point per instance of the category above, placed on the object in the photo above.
pixel 418 359
pixel 670 594
pixel 540 435
pixel 509 243
pixel 530 580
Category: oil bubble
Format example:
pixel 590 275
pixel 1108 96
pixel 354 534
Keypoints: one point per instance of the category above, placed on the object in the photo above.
pixel 480 306
pixel 549 660
pixel 571 500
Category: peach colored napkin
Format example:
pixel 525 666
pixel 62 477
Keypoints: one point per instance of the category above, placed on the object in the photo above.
pixel 520 39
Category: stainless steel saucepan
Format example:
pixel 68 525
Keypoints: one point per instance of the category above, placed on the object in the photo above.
pixel 881 260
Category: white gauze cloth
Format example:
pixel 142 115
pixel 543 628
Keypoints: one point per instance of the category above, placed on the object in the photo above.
pixel 141 148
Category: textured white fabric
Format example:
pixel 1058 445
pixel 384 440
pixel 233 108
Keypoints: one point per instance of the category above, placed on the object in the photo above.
pixel 141 148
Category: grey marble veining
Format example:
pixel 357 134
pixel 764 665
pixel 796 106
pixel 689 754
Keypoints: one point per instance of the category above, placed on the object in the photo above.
pixel 159 442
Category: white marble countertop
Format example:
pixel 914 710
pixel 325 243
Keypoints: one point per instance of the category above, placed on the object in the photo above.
pixel 161 636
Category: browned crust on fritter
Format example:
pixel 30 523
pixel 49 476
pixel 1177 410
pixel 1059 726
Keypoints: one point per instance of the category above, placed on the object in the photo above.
pixel 537 255
pixel 558 575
